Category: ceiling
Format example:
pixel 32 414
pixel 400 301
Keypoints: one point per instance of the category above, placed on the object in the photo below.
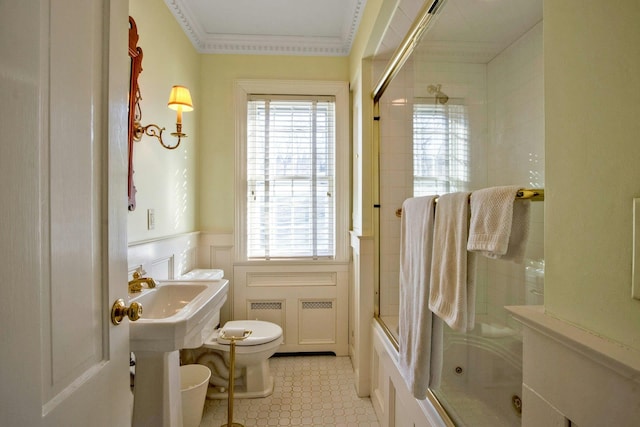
pixel 478 30
pixel 270 27
pixel 464 30
pixel 475 29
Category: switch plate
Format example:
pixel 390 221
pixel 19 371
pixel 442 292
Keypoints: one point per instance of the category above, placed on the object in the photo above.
pixel 635 275
pixel 151 219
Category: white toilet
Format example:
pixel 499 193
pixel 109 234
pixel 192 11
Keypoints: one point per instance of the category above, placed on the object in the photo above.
pixel 252 375
pixel 202 274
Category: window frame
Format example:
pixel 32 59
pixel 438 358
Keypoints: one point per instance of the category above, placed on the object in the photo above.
pixel 340 90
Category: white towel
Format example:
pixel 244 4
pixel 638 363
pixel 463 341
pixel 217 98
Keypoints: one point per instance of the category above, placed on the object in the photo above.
pixel 499 223
pixel 420 332
pixel 453 292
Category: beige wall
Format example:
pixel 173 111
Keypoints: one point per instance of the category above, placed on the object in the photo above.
pixel 216 160
pixel 375 18
pixel 165 179
pixel 592 116
pixel 192 188
pixel 376 15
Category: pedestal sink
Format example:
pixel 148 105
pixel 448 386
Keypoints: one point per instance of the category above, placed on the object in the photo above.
pixel 175 315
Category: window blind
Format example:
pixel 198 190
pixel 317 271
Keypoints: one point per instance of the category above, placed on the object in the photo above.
pixel 440 148
pixel 290 177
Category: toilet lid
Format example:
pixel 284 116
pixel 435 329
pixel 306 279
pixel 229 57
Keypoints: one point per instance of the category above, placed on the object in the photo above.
pixel 202 274
pixel 261 332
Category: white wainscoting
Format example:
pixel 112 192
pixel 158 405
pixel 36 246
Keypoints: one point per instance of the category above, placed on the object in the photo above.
pixel 215 250
pixel 164 258
pixel 395 406
pixel 361 309
pixel 309 302
pixel 573 376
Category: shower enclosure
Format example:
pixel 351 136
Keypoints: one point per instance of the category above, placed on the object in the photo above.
pixel 464 112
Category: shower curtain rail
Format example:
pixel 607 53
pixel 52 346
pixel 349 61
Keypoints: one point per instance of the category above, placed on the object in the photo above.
pixel 533 194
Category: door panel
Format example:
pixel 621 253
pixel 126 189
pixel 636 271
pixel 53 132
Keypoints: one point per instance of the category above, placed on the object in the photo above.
pixel 75 181
pixel 64 173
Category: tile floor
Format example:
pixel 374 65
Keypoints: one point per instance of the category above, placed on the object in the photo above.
pixel 309 391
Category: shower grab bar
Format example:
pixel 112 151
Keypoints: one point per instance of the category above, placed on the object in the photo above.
pixel 533 194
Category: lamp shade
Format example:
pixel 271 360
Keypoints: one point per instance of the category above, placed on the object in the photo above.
pixel 180 97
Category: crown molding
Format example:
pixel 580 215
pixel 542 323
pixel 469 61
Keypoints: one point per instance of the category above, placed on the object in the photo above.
pixel 274 45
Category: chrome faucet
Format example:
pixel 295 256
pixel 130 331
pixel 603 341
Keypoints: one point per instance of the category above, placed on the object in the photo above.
pixel 135 285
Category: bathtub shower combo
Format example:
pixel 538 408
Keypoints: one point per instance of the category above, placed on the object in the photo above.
pixel 462 116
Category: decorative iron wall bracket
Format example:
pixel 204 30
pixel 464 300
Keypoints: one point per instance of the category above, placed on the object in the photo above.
pixel 156 132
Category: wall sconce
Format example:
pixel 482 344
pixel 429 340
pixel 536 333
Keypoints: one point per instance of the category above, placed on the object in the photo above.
pixel 179 100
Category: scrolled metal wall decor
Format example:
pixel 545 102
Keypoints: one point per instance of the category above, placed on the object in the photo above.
pixel 135 53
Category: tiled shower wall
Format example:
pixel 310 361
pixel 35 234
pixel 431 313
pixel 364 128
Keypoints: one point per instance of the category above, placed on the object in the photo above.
pixel 463 83
pixel 395 181
pixel 505 102
pixel 515 104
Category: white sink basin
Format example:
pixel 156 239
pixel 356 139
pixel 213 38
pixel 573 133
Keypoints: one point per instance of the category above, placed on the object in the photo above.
pixel 177 314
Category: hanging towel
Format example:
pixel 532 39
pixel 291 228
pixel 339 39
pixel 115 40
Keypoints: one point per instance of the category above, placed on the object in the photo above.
pixel 499 223
pixel 420 332
pixel 452 295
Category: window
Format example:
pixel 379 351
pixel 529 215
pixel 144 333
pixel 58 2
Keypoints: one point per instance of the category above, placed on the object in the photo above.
pixel 290 177
pixel 293 180
pixel 440 148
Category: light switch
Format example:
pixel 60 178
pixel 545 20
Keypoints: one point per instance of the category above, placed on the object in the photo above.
pixel 151 219
pixel 635 275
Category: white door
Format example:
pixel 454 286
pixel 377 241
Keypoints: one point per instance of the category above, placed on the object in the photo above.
pixel 63 89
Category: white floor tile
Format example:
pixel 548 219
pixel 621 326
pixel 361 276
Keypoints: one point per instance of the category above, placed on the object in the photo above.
pixel 309 391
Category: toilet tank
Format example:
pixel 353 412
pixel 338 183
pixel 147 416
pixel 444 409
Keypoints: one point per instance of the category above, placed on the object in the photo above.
pixel 202 274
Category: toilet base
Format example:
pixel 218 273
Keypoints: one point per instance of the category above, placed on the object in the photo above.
pixel 255 381
pixel 240 391
pixel 249 381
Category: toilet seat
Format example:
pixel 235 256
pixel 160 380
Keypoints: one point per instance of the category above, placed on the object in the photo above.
pixel 261 333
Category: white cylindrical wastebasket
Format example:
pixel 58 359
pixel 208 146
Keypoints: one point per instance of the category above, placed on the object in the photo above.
pixel 194 380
